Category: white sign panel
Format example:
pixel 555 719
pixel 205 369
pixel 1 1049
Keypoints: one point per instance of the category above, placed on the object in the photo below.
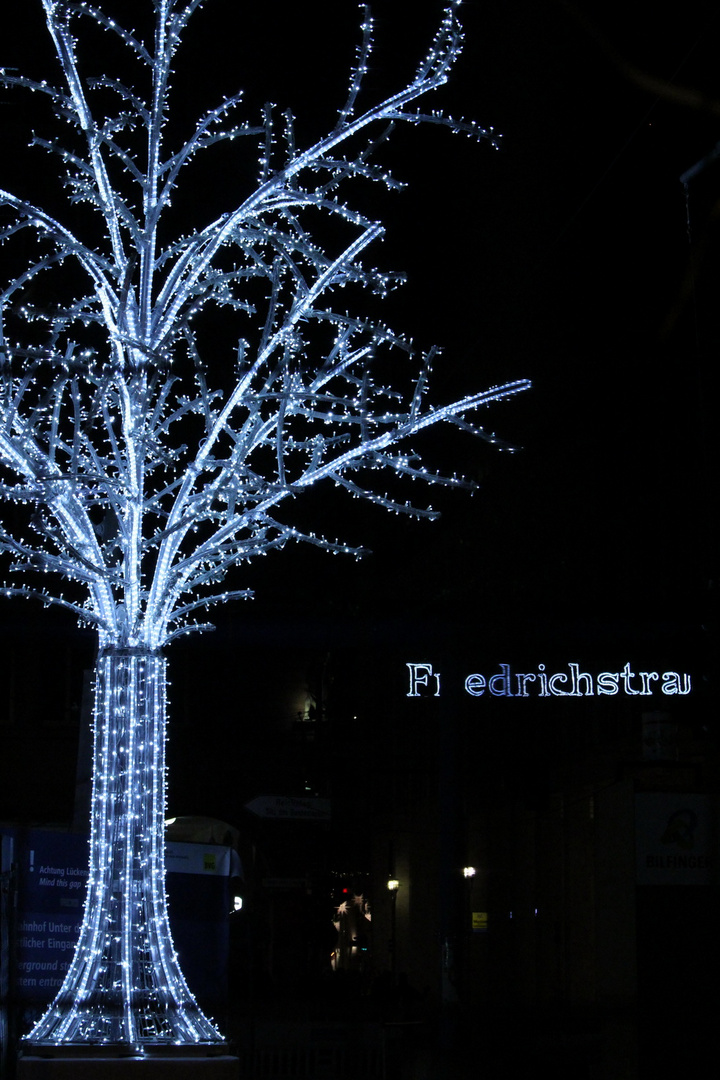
pixel 675 839
pixel 281 807
pixel 184 858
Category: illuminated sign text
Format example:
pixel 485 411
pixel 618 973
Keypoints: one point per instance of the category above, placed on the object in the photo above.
pixel 569 682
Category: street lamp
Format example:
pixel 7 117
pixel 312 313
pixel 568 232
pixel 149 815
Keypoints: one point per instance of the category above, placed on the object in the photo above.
pixel 393 885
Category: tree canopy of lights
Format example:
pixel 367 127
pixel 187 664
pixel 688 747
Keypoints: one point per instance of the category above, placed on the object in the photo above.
pixel 148 469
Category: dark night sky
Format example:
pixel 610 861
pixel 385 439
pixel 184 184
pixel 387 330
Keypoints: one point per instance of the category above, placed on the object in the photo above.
pixel 561 258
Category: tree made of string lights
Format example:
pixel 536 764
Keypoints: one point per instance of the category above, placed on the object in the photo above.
pixel 146 472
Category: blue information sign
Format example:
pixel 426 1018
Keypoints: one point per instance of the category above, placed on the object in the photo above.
pixel 51 876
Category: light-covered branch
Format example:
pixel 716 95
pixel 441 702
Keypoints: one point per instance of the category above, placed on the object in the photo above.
pixel 153 472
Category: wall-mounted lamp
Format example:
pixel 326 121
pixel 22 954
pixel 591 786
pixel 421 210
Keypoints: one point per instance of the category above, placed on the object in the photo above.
pixel 469 871
pixel 393 884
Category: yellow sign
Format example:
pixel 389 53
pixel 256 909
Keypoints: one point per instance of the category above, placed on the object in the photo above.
pixel 479 920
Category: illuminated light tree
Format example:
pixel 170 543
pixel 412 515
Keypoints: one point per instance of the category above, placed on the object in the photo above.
pixel 146 483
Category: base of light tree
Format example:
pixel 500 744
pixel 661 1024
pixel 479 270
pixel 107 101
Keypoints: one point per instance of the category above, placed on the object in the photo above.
pixel 87 1066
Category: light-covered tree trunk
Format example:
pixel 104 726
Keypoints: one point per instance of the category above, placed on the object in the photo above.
pixel 124 985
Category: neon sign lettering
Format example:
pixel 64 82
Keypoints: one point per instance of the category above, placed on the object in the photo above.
pixel 572 682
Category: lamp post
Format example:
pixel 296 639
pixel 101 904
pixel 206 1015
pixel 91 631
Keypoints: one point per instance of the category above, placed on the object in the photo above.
pixel 465 958
pixel 393 886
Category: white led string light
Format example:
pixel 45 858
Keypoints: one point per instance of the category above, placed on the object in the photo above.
pixel 145 484
pixel 124 985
